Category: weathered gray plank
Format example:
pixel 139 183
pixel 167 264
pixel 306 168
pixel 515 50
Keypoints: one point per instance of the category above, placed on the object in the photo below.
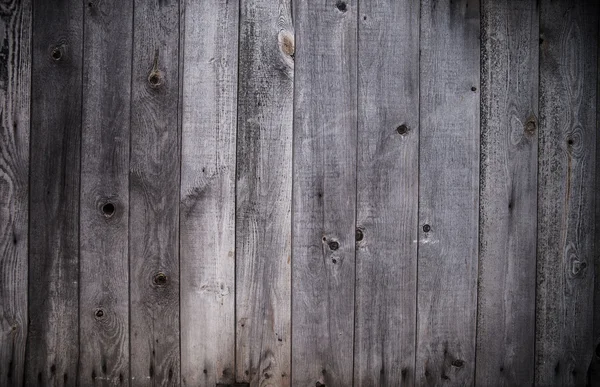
pixel 104 271
pixel 324 196
pixel 264 193
pixel 448 193
pixel 508 202
pixel 565 271
pixel 387 192
pixel 154 195
pixel 207 205
pixel 53 341
pixel 15 84
pixel 594 370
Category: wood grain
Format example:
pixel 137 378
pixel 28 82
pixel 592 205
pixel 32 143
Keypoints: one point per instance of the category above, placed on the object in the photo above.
pixel 324 193
pixel 53 341
pixel 387 193
pixel 15 87
pixel 448 193
pixel 508 203
pixel 154 196
pixel 565 270
pixel 264 193
pixel 207 207
pixel 104 264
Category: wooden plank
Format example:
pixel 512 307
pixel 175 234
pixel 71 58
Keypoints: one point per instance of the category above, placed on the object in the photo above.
pixel 207 208
pixel 324 199
pixel 387 193
pixel 15 86
pixel 594 370
pixel 53 341
pixel 565 283
pixel 508 202
pixel 264 193
pixel 104 271
pixel 448 192
pixel 154 195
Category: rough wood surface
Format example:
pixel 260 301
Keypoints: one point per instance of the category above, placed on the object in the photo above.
pixel 508 202
pixel 154 195
pixel 53 342
pixel 324 195
pixel 15 83
pixel 207 210
pixel 565 269
pixel 448 193
pixel 387 193
pixel 264 193
pixel 104 265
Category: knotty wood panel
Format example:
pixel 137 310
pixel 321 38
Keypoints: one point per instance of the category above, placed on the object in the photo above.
pixel 52 348
pixel 207 208
pixel 387 193
pixel 264 193
pixel 508 203
pixel 154 195
pixel 324 199
pixel 565 265
pixel 104 265
pixel 15 83
pixel 448 193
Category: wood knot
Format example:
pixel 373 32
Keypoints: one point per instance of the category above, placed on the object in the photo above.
pixel 358 235
pixel 458 363
pixel 333 245
pixel 99 314
pixel 155 79
pixel 341 6
pixel 530 126
pixel 402 129
pixel 57 53
pixel 160 279
pixel 108 209
pixel 426 228
pixel 473 88
pixel 286 41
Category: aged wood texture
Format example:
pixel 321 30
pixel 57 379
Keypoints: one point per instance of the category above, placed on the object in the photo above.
pixel 565 268
pixel 53 342
pixel 448 193
pixel 264 193
pixel 387 193
pixel 15 83
pixel 104 272
pixel 508 201
pixel 207 208
pixel 154 195
pixel 324 195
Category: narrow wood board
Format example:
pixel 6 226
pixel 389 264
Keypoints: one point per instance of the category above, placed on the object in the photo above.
pixel 264 193
pixel 53 339
pixel 324 193
pixel 508 202
pixel 15 87
pixel 104 264
pixel 565 272
pixel 448 193
pixel 207 207
pixel 154 196
pixel 387 193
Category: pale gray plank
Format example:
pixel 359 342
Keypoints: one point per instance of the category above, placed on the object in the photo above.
pixel 324 196
pixel 15 86
pixel 154 195
pixel 104 271
pixel 53 340
pixel 448 192
pixel 207 207
pixel 565 270
pixel 508 203
pixel 387 195
pixel 264 193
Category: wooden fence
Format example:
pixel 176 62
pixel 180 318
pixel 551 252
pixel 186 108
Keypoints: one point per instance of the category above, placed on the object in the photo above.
pixel 307 193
